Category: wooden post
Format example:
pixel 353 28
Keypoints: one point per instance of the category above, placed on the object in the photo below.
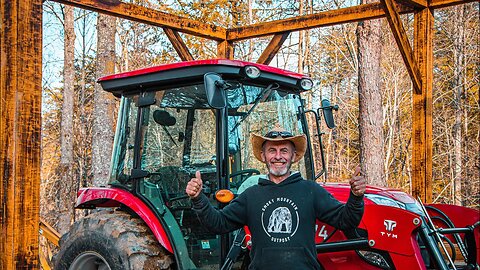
pixel 272 48
pixel 422 108
pixel 225 49
pixel 178 44
pixel 20 123
pixel 393 18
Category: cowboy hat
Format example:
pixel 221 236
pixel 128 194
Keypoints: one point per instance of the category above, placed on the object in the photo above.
pixel 279 134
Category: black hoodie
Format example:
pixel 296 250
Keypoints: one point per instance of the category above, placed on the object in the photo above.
pixel 281 218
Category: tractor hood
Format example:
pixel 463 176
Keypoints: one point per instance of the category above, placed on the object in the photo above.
pixel 341 191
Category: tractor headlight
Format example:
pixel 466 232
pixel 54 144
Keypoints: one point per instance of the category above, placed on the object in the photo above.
pixel 306 84
pixel 382 200
pixel 252 72
pixel 374 258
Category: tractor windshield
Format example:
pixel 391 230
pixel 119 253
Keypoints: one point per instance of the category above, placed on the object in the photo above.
pixel 257 110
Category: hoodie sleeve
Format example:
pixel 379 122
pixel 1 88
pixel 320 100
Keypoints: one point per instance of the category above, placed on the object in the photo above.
pixel 231 217
pixel 341 216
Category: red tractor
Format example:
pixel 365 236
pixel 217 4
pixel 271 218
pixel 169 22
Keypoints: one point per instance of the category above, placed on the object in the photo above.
pixel 176 119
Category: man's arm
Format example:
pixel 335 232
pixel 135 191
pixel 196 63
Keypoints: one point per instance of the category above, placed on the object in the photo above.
pixel 342 216
pixel 229 218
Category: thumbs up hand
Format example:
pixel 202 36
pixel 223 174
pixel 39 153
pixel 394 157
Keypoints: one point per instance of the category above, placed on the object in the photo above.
pixel 194 186
pixel 358 183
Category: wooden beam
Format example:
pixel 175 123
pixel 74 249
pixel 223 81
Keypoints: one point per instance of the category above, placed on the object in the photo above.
pixel 150 16
pixel 49 232
pixel 434 4
pixel 20 125
pixel 272 48
pixel 414 3
pixel 225 49
pixel 422 108
pixel 401 38
pixel 178 44
pixel 338 16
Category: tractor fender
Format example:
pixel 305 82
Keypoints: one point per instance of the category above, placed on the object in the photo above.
pixel 93 197
pixel 390 228
pixel 394 230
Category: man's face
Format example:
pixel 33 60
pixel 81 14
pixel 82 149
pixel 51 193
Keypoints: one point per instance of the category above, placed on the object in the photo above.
pixel 278 157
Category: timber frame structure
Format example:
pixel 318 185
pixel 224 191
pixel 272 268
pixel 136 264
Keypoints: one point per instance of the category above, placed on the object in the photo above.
pixel 21 88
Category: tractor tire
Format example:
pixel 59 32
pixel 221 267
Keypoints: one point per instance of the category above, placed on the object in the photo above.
pixel 108 240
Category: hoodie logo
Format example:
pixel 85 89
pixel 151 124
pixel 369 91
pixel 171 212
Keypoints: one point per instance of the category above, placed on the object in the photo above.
pixel 280 219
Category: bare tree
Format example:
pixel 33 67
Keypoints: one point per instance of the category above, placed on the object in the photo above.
pixel 370 101
pixel 65 183
pixel 396 115
pixel 85 92
pixel 459 93
pixel 104 104
pixel 456 107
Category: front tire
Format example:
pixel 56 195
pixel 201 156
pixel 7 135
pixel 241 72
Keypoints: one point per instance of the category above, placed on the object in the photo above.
pixel 108 240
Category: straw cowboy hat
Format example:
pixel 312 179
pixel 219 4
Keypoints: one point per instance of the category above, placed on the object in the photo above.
pixel 279 134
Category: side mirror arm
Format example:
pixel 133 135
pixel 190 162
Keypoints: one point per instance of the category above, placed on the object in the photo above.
pixel 319 136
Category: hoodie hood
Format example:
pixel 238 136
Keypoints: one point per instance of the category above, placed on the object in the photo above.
pixel 294 177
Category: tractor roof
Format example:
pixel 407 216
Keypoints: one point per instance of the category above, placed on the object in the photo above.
pixel 192 72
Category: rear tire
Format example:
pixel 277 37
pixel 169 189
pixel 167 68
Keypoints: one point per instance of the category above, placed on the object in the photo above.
pixel 109 240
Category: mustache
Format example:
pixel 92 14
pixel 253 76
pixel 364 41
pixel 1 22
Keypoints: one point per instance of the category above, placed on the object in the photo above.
pixel 278 160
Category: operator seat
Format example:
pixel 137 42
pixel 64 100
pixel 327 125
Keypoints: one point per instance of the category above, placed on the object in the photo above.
pixel 250 181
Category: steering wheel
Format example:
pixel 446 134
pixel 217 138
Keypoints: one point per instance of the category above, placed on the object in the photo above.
pixel 243 174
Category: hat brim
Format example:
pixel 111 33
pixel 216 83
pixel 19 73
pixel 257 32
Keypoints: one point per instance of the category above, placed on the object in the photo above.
pixel 299 141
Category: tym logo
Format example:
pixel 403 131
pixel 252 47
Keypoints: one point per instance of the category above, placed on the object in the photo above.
pixel 389 225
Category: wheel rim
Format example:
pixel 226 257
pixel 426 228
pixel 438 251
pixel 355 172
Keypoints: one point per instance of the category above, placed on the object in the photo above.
pixel 89 260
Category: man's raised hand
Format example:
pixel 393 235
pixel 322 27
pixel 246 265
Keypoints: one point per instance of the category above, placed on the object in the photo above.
pixel 358 184
pixel 194 186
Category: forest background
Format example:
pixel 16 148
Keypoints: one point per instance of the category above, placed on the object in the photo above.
pixel 78 118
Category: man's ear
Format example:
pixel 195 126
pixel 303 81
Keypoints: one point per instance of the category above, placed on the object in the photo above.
pixel 263 157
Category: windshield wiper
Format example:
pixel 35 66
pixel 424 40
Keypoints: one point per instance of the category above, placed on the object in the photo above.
pixel 261 97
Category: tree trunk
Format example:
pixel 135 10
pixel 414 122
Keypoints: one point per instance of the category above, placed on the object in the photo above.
pixel 82 142
pixel 250 21
pixel 370 101
pixel 459 92
pixel 66 182
pixel 300 41
pixel 104 104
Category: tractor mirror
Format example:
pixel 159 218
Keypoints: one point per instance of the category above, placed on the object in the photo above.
pixel 328 114
pixel 215 90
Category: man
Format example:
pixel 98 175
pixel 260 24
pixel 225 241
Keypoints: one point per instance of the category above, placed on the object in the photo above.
pixel 281 211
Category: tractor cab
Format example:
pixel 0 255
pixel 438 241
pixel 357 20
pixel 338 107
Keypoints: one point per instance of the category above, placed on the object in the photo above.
pixel 177 119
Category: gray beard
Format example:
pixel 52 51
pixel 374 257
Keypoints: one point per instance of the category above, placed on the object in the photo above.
pixel 278 173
